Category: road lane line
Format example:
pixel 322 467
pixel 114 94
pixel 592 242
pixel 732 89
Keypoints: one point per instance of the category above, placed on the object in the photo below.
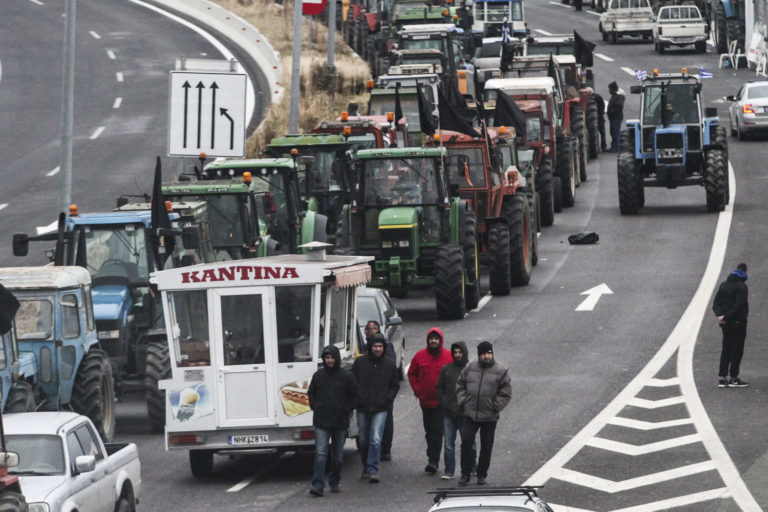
pixel 1 70
pixel 629 71
pixel 560 5
pixel 54 171
pixel 94 34
pixel 119 76
pixel 96 133
pixel 47 229
pixel 663 383
pixel 603 57
pixel 111 55
pixel 543 32
pixel 3 205
pixel 593 13
pixel 117 103
pixel 268 467
pixel 612 487
pixel 480 305
pixel 38 2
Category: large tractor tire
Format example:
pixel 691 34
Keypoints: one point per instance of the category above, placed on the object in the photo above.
pixel 576 149
pixel 735 33
pixel 449 282
pixel 469 249
pixel 200 462
pixel 720 137
pixel 565 169
pixel 13 502
pixel 557 194
pixel 630 187
pixel 721 29
pixel 627 141
pixel 714 179
pixel 158 367
pixel 593 130
pixel 93 393
pixel 499 277
pixel 546 192
pixel 579 131
pixel 21 398
pixel 517 213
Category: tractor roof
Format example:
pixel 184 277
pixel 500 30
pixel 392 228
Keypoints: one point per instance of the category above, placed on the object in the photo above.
pixel 48 277
pixel 430 28
pixel 522 85
pixel 249 163
pixel 564 59
pixel 680 78
pixel 125 215
pixel 357 124
pixel 416 152
pixel 306 139
pixel 203 187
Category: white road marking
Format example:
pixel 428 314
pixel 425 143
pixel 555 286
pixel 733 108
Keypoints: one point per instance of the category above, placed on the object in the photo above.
pixel 117 103
pixel 480 305
pixel 268 467
pixel 628 71
pixel 96 133
pixel 655 404
pixel 542 32
pixel 1 70
pixel 111 55
pixel 559 5
pixel 593 295
pixel 47 229
pixel 38 2
pixel 663 383
pixel 612 487
pixel 593 13
pixel 119 76
pixel 603 57
pixel 3 205
pixel 94 34
pixel 680 501
pixel 54 171
pixel 648 425
pixel 642 449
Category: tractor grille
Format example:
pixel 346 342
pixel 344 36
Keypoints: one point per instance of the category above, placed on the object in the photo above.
pixel 694 138
pixel 397 242
pixel 669 148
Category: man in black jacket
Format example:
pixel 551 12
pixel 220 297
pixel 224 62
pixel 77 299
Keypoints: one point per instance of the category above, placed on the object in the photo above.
pixel 731 307
pixel 600 105
pixel 371 328
pixel 333 394
pixel 376 375
pixel 615 114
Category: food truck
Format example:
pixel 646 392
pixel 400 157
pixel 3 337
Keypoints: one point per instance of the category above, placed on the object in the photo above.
pixel 244 339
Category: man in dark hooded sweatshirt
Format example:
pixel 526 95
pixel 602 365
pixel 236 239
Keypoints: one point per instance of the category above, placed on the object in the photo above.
pixel 731 307
pixel 376 375
pixel 482 391
pixel 333 394
pixel 452 413
pixel 422 374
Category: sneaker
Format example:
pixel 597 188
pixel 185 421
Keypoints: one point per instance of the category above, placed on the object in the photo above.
pixel 464 480
pixel 431 469
pixel 316 491
pixel 736 382
pixel 447 476
pixel 481 480
pixel 365 475
pixel 722 383
pixel 335 489
pixel 373 479
pixel 386 457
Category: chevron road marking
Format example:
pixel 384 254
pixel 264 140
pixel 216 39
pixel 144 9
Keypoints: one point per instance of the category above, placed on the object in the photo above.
pixel 656 404
pixel 642 449
pixel 680 501
pixel 611 487
pixel 664 383
pixel 565 508
pixel 648 425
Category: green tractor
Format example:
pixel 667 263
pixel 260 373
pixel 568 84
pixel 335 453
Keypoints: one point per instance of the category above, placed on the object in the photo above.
pixel 404 215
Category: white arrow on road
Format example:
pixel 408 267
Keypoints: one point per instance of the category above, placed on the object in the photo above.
pixel 593 295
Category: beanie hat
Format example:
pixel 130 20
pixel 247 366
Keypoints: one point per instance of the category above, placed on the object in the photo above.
pixel 484 347
pixel 613 86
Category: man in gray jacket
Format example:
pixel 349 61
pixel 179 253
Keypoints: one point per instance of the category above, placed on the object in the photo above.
pixel 482 391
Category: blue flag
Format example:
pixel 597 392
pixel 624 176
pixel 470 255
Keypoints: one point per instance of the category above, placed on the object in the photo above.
pixel 640 74
pixel 705 74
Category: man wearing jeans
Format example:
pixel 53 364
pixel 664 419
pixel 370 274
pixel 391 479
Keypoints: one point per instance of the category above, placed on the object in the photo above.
pixel 333 394
pixel 482 391
pixel 376 376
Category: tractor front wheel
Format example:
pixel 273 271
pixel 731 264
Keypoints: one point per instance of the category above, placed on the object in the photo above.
pixel 517 213
pixel 13 502
pixel 565 169
pixel 714 180
pixel 21 398
pixel 469 248
pixel 546 193
pixel 499 275
pixel 629 185
pixel 579 131
pixel 449 282
pixel 158 367
pixel 593 130
pixel 93 393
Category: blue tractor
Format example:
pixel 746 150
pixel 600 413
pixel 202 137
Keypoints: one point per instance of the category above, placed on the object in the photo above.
pixel 727 17
pixel 676 142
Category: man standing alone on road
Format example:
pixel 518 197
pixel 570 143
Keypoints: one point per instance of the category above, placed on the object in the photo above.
pixel 482 391
pixel 731 307
pixel 600 104
pixel 422 374
pixel 377 377
pixel 333 394
pixel 615 114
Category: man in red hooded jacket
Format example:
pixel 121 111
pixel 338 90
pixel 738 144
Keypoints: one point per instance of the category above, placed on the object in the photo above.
pixel 422 374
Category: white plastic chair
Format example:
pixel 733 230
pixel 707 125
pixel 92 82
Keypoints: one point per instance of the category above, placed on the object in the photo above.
pixel 732 56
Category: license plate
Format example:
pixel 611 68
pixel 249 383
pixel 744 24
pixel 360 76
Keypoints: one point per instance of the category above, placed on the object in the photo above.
pixel 248 439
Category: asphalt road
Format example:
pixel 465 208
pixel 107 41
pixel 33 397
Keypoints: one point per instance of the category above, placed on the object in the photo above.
pixel 573 372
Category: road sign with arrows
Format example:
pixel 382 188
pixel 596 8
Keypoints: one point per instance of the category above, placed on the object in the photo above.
pixel 207 114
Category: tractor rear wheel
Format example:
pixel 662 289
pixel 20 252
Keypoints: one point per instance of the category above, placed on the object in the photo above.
pixel 201 462
pixel 21 398
pixel 13 502
pixel 565 169
pixel 629 185
pixel 449 282
pixel 499 278
pixel 517 213
pixel 735 33
pixel 93 393
pixel 579 131
pixel 593 130
pixel 627 141
pixel 721 138
pixel 714 180
pixel 469 248
pixel 158 367
pixel 721 29
pixel 536 229
pixel 557 194
pixel 546 193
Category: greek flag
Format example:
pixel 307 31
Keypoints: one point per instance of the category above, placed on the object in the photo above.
pixel 705 74
pixel 640 74
pixel 505 37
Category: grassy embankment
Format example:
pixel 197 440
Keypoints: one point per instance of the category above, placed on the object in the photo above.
pixel 323 94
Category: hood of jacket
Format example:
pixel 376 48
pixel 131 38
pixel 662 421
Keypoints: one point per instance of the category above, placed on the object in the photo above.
pixel 737 275
pixel 334 351
pixel 439 333
pixel 378 337
pixel 463 347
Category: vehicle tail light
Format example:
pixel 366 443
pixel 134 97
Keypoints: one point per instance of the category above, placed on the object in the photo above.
pixel 747 109
pixel 660 31
pixel 187 439
pixel 306 433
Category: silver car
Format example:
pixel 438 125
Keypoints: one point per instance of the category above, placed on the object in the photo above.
pixel 748 111
pixel 374 304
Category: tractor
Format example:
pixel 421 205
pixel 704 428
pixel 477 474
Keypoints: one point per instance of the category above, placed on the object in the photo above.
pixel 419 230
pixel 676 142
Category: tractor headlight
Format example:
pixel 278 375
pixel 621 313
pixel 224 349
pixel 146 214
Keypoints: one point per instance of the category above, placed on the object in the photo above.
pixel 109 335
pixel 386 244
pixel 405 243
pixel 670 153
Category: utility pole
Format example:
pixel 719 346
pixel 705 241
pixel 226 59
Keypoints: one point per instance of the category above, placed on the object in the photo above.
pixel 67 103
pixel 293 123
pixel 331 33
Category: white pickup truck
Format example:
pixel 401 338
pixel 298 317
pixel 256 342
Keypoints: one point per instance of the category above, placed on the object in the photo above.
pixel 626 18
pixel 680 25
pixel 64 466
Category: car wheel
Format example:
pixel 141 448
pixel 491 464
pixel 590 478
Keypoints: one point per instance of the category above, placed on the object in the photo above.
pixel 740 134
pixel 733 130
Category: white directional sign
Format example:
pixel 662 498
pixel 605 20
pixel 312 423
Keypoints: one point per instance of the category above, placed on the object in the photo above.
pixel 207 114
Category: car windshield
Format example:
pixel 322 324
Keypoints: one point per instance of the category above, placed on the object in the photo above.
pixel 400 181
pixel 38 454
pixel 34 319
pixel 380 104
pixel 367 311
pixel 115 251
pixel 681 105
pixel 473 176
pixel 425 44
pixel 758 91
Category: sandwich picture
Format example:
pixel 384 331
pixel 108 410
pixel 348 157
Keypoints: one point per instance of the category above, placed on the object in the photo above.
pixel 294 397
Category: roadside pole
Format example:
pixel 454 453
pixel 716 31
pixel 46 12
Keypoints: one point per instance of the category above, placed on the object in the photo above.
pixel 67 104
pixel 331 33
pixel 293 123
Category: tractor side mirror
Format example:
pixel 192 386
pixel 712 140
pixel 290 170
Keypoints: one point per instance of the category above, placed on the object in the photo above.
pixel 20 244
pixel 710 112
pixel 9 459
pixel 190 238
pixel 635 89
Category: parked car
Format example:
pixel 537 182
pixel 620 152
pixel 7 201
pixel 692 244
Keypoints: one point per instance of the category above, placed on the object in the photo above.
pixel 748 111
pixel 65 466
pixel 626 18
pixel 499 499
pixel 375 304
